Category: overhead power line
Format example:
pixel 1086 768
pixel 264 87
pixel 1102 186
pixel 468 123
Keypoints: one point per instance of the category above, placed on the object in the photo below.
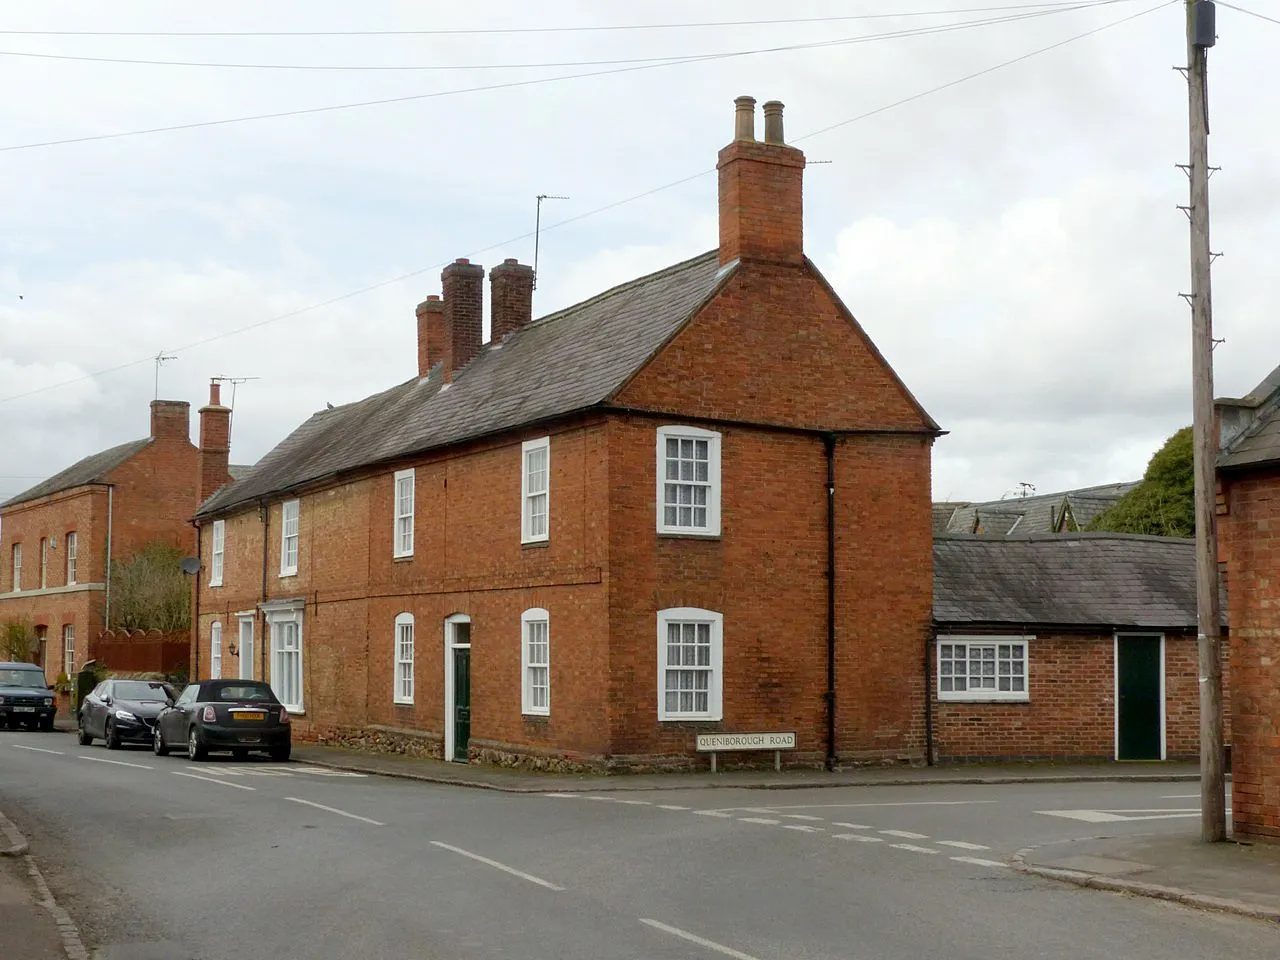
pixel 1251 13
pixel 589 213
pixel 597 28
pixel 674 61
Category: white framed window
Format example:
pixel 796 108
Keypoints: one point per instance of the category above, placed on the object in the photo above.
pixel 44 563
pixel 403 533
pixel 288 540
pixel 285 629
pixel 219 549
pixel 690 664
pixel 70 541
pixel 535 490
pixel 17 567
pixel 404 658
pixel 69 649
pixel 246 646
pixel 535 662
pixel 688 481
pixel 983 668
pixel 215 650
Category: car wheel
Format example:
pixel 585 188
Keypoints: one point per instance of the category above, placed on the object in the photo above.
pixel 195 749
pixel 157 743
pixel 83 737
pixel 47 724
pixel 111 736
pixel 280 754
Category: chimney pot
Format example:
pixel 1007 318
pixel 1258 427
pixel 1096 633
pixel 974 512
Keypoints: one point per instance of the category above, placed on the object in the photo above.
pixel 215 393
pixel 744 118
pixel 773 122
pixel 215 444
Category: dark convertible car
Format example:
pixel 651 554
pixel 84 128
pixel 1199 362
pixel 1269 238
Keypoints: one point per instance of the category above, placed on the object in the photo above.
pixel 122 711
pixel 235 715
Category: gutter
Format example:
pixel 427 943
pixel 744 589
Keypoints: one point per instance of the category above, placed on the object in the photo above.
pixel 829 447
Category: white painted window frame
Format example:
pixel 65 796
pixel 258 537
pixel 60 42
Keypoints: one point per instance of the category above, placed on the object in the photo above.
pixel 282 659
pixel 529 621
pixel 246 650
pixel 71 543
pixel 69 649
pixel 529 496
pixel 713 439
pixel 16 570
pixel 403 513
pixel 715 685
pixel 450 645
pixel 215 650
pixel 983 696
pixel 402 676
pixel 44 562
pixel 294 507
pixel 218 558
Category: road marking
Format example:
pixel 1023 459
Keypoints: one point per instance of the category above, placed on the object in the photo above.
pixel 765 820
pixel 566 796
pixel 905 803
pixel 671 806
pixel 979 862
pixel 341 813
pixel 905 834
pixel 1118 816
pixel 119 763
pixel 912 847
pixel 700 941
pixel 598 797
pixel 854 826
pixel 1188 796
pixel 802 827
pixel 800 816
pixel 18 746
pixel 221 783
pixel 858 836
pixel 638 803
pixel 960 844
pixel 713 813
pixel 500 866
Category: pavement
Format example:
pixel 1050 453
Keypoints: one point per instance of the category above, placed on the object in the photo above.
pixel 30 918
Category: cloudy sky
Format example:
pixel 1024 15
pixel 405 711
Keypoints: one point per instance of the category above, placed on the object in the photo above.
pixel 1011 242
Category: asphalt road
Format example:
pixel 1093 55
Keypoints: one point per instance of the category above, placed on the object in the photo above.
pixel 163 858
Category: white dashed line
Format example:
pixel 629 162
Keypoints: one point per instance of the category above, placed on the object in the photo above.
pixel 800 816
pixel 764 820
pixel 221 783
pixel 960 844
pixel 638 803
pixel 598 797
pixel 802 827
pixel 119 763
pixel 713 813
pixel 19 746
pixel 341 813
pixel 565 796
pixel 979 862
pixel 905 834
pixel 496 865
pixel 858 836
pixel 912 848
pixel 671 806
pixel 700 941
pixel 854 826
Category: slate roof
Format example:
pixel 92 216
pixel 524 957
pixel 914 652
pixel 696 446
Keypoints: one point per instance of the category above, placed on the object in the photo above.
pixel 239 471
pixel 1106 580
pixel 91 469
pixel 1035 514
pixel 559 364
pixel 1259 443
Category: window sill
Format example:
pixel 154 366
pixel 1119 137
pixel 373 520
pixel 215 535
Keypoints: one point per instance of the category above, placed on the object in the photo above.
pixel 689 535
pixel 295 711
pixel 402 558
pixel 535 544
pixel 1011 701
pixel 691 720
pixel 543 717
pixel 214 586
pixel 402 703
pixel 286 574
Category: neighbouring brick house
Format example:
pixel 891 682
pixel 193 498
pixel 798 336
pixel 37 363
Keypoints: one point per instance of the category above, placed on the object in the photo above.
pixel 1249 544
pixel 604 531
pixel 58 539
pixel 1066 512
pixel 1064 646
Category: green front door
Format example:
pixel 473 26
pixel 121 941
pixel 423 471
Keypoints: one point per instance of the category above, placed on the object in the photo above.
pixel 461 701
pixel 1138 698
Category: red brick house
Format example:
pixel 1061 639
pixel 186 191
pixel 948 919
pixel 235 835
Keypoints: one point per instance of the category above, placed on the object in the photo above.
pixel 1249 544
pixel 659 512
pixel 58 539
pixel 1064 646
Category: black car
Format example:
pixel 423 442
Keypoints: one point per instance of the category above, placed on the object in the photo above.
pixel 123 711
pixel 235 715
pixel 25 697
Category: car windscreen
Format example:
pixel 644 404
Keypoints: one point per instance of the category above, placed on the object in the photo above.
pixel 22 678
pixel 141 690
pixel 252 692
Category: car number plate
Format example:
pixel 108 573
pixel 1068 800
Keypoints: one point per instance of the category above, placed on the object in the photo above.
pixel 24 709
pixel 257 715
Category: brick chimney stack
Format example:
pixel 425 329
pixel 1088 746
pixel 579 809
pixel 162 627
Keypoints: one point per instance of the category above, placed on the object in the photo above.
pixel 463 285
pixel 510 298
pixel 215 443
pixel 430 333
pixel 170 420
pixel 761 190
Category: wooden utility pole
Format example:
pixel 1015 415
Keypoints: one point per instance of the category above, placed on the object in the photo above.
pixel 1213 815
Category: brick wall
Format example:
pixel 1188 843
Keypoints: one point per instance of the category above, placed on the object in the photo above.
pixel 155 495
pixel 1250 544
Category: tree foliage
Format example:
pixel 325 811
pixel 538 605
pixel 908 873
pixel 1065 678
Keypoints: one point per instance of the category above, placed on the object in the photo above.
pixel 149 590
pixel 18 640
pixel 1163 504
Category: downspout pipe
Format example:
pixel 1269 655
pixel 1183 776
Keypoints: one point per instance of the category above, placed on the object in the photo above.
pixel 265 510
pixel 195 610
pixel 829 447
pixel 106 619
pixel 930 644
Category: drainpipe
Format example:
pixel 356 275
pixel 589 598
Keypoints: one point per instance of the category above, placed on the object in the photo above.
pixel 106 625
pixel 265 511
pixel 829 446
pixel 930 643
pixel 195 612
